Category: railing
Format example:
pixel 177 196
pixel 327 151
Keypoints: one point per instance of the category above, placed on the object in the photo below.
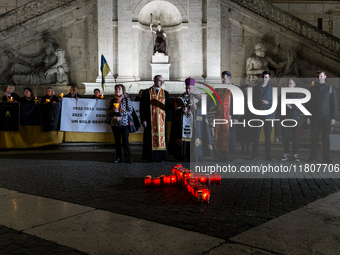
pixel 293 23
pixel 31 10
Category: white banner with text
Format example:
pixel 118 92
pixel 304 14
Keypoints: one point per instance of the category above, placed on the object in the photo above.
pixel 87 115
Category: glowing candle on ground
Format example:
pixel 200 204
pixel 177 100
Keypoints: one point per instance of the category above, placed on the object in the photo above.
pixel 173 179
pixel 156 181
pixel 147 180
pixel 206 196
pixel 166 180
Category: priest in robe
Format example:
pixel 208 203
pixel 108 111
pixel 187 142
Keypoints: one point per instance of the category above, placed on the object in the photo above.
pixel 155 107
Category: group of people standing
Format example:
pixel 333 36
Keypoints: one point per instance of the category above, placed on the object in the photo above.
pixel 322 105
pixel 29 97
pixel 190 130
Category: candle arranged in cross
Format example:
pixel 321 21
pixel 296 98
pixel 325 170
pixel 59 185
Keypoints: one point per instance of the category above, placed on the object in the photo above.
pixel 195 184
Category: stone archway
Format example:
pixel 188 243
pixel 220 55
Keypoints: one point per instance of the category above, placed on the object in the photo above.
pixel 171 19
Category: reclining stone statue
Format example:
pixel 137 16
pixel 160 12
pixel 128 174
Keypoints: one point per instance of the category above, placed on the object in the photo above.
pixel 48 68
pixel 259 63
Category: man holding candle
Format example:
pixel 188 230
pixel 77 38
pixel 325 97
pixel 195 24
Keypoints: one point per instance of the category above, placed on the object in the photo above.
pixel 154 108
pixel 10 95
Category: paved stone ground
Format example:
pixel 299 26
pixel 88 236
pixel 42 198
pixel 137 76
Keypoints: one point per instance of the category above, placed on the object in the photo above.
pixel 89 177
pixel 15 242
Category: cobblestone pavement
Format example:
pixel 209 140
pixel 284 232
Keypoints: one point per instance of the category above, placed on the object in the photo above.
pixel 88 176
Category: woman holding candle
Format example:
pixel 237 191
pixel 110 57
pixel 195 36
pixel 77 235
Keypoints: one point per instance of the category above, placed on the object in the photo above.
pixel 10 96
pixel 50 97
pixel 28 98
pixel 120 107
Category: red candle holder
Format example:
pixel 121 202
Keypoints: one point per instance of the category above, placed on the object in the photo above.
pixel 166 180
pixel 175 168
pixel 173 179
pixel 202 179
pixel 156 181
pixel 215 179
pixel 147 180
pixel 206 196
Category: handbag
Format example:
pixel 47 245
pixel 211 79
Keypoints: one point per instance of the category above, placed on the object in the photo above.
pixel 133 120
pixel 132 127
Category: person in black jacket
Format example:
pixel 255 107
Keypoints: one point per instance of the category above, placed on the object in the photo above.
pixel 263 100
pixel 292 112
pixel 96 94
pixel 323 106
pixel 50 97
pixel 10 94
pixel 73 92
pixel 28 98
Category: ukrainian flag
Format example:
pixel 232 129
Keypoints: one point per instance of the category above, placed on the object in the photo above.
pixel 105 69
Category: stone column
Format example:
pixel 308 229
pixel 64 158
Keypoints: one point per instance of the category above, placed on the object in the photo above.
pixel 125 41
pixel 213 40
pixel 135 52
pixel 105 36
pixel 195 41
pixel 184 51
pixel 225 40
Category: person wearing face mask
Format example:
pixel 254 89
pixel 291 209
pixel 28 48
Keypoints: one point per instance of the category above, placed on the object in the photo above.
pixel 292 112
pixel 120 107
pixel 323 106
pixel 10 94
pixel 263 100
pixel 28 98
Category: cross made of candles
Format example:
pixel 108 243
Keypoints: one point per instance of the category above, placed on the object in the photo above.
pixel 195 184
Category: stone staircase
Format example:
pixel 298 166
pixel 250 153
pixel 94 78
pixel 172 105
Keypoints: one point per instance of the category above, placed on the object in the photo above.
pixel 259 16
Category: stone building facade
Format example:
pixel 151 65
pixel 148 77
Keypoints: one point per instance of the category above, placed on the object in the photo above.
pixel 203 37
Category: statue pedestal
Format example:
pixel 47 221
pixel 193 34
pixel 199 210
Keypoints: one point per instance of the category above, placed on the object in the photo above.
pixel 160 65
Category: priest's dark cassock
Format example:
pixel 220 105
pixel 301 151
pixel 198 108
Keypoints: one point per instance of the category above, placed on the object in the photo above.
pixel 155 107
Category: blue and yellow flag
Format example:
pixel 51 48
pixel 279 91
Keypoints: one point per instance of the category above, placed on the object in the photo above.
pixel 105 69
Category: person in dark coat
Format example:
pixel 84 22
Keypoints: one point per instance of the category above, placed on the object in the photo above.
pixel 292 112
pixel 50 97
pixel 263 100
pixel 73 92
pixel 154 107
pixel 137 99
pixel 244 134
pixel 323 106
pixel 96 94
pixel 28 98
pixel 10 94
